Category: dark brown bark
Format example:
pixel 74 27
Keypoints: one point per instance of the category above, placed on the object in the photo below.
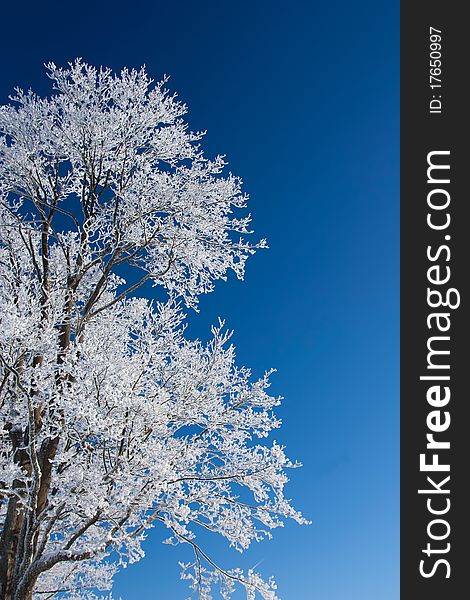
pixel 14 520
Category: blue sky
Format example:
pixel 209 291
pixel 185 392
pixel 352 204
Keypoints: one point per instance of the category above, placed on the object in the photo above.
pixel 302 97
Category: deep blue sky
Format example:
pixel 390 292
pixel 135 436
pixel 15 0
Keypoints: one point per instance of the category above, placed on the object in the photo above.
pixel 302 97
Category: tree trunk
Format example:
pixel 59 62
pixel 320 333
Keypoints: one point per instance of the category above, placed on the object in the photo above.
pixel 9 542
pixel 13 520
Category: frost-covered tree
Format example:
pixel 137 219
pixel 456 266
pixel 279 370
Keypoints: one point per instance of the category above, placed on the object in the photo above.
pixel 111 420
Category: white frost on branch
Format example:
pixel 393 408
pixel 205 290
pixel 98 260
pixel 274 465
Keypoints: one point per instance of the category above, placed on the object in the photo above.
pixel 112 421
